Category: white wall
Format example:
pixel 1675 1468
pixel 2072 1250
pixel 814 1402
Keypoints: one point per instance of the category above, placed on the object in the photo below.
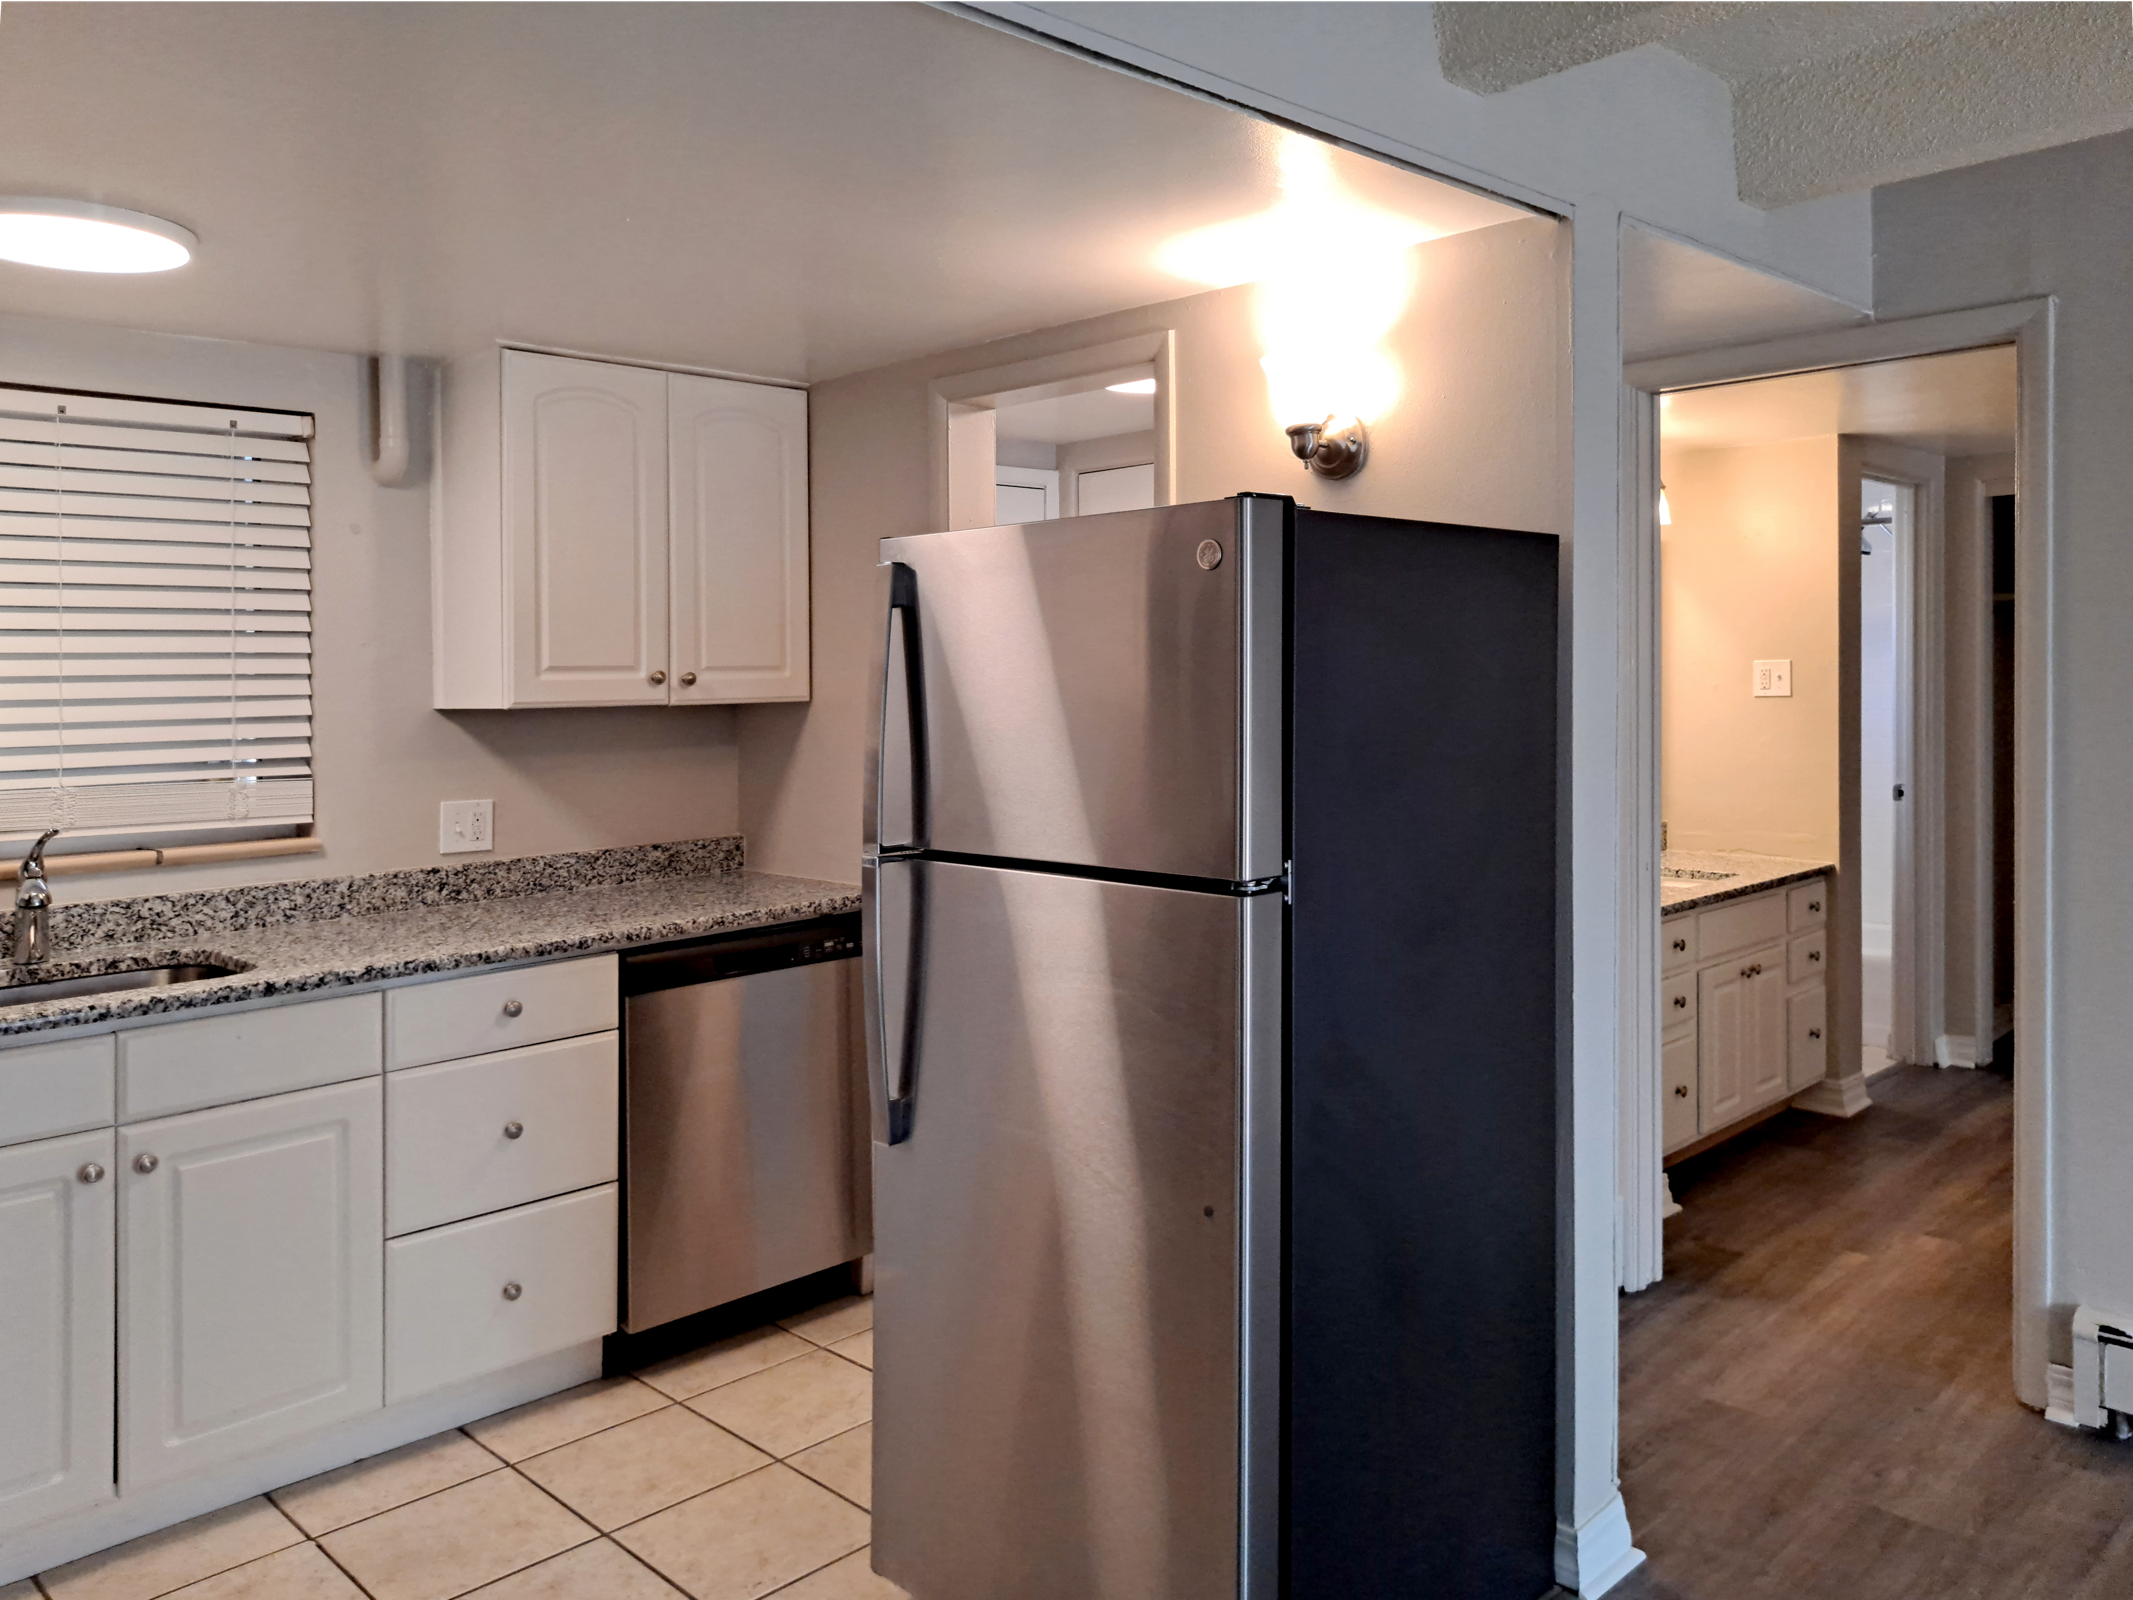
pixel 2060 223
pixel 561 780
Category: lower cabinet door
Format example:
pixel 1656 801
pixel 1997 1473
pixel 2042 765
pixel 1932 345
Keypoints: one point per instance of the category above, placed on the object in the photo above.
pixel 1723 1031
pixel 1807 1047
pixel 58 1228
pixel 1677 1087
pixel 479 1296
pixel 1765 1017
pixel 251 1241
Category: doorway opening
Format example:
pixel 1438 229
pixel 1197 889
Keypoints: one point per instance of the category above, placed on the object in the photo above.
pixel 1887 517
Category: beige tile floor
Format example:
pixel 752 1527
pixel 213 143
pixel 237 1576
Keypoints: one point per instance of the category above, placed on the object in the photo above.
pixel 736 1471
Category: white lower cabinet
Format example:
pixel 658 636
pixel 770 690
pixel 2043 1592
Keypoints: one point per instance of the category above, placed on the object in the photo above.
pixel 477 1296
pixel 56 1242
pixel 1743 1006
pixel 250 1253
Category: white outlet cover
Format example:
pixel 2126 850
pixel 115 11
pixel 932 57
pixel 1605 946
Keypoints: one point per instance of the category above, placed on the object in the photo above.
pixel 1773 679
pixel 465 826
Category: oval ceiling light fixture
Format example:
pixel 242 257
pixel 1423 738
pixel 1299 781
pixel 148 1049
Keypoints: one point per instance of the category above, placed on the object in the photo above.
pixel 81 236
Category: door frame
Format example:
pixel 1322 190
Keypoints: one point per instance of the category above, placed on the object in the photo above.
pixel 2029 325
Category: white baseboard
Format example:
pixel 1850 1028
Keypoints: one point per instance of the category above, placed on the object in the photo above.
pixel 1592 1559
pixel 2059 1395
pixel 1956 1050
pixel 1836 1097
pixel 130 1515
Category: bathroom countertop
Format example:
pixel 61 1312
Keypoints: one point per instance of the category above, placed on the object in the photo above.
pixel 296 957
pixel 1743 873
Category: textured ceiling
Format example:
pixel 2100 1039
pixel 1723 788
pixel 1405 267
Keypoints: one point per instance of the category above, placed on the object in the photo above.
pixel 1831 98
pixel 794 191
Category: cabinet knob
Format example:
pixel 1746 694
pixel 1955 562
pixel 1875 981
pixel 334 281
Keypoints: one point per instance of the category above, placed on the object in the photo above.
pixel 1814 905
pixel 1814 955
pixel 1681 1002
pixel 687 679
pixel 91 1173
pixel 1681 1091
pixel 512 1291
pixel 1814 1033
pixel 1681 944
pixel 513 1129
pixel 145 1163
pixel 514 1008
pixel 655 677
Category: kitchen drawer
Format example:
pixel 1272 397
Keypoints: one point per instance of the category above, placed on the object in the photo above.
pixel 1806 1048
pixel 1677 999
pixel 1677 942
pixel 476 1297
pixel 62 1086
pixel 490 1011
pixel 1740 924
pixel 183 1066
pixel 1807 957
pixel 1677 1091
pixel 1807 904
pixel 451 1148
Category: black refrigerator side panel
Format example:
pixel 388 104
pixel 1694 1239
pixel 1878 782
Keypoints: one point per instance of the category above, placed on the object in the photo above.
pixel 1423 1012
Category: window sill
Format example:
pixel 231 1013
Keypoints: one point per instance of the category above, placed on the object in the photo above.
pixel 179 855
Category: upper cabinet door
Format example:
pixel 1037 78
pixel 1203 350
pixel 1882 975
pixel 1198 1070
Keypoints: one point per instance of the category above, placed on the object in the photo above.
pixel 738 453
pixel 585 531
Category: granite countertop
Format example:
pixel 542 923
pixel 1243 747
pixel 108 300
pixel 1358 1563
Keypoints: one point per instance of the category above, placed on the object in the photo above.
pixel 1716 875
pixel 455 922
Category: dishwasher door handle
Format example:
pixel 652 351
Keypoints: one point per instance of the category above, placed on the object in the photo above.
pixel 894 894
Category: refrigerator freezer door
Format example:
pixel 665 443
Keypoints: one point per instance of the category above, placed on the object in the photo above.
pixel 1056 1246
pixel 1083 692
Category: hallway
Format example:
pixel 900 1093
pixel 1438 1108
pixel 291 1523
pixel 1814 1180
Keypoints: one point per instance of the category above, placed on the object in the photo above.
pixel 1816 1400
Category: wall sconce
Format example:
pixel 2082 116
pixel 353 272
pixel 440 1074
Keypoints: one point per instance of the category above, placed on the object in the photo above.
pixel 1332 448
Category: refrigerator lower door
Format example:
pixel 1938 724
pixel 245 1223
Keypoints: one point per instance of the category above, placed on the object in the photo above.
pixel 1057 1245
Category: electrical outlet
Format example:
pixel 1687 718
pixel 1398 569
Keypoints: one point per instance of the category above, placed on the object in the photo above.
pixel 1773 678
pixel 465 825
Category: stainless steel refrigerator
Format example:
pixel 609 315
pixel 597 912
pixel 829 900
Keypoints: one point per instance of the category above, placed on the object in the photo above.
pixel 1212 1001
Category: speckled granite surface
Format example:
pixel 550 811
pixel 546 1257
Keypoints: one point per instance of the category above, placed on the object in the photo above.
pixel 316 950
pixel 1716 875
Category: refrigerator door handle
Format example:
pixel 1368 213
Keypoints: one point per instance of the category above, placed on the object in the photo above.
pixel 897 777
pixel 893 892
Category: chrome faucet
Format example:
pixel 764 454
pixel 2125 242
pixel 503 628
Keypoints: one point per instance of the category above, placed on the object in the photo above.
pixel 33 907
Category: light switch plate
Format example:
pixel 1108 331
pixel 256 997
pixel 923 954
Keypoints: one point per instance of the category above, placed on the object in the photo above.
pixel 1773 678
pixel 465 825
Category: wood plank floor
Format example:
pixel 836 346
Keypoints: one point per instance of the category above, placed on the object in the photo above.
pixel 1816 1401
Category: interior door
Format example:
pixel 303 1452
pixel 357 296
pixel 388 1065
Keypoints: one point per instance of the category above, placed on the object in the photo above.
pixel 1081 689
pixel 738 453
pixel 1056 1239
pixel 585 530
pixel 251 1276
pixel 58 1227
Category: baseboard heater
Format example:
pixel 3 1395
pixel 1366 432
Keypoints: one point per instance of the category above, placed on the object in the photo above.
pixel 2103 1371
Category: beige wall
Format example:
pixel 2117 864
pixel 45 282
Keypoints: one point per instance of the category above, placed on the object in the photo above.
pixel 1749 572
pixel 561 780
pixel 1479 435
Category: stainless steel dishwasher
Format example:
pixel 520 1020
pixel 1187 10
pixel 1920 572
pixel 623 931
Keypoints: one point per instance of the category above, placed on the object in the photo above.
pixel 745 1116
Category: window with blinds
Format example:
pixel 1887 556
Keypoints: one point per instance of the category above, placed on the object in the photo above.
pixel 155 616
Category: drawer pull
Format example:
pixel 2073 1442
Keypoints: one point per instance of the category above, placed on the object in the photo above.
pixel 1681 1091
pixel 512 1291
pixel 1814 955
pixel 1814 905
pixel 1681 1002
pixel 514 1008
pixel 688 680
pixel 91 1173
pixel 513 1129
pixel 145 1163
pixel 1681 945
pixel 1814 1033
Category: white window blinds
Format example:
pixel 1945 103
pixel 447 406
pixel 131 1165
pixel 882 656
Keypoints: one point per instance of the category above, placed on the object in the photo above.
pixel 155 615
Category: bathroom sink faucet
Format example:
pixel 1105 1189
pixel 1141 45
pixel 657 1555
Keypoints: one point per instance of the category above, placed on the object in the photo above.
pixel 33 908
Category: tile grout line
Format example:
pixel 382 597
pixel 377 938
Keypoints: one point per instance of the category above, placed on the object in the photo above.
pixel 360 1587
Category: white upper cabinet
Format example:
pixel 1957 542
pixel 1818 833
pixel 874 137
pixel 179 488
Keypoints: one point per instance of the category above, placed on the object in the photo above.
pixel 617 535
pixel 737 453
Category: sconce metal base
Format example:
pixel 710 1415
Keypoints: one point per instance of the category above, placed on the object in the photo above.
pixel 1328 451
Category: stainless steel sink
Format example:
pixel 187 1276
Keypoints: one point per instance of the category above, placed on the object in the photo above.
pixel 22 994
